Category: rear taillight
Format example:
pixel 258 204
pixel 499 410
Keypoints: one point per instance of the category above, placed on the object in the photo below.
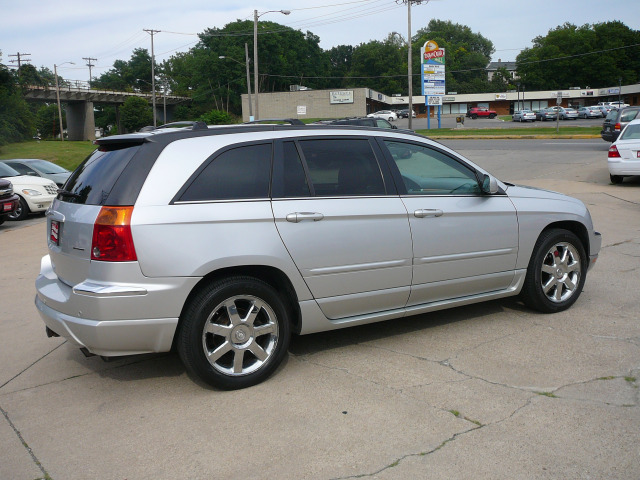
pixel 613 152
pixel 112 240
pixel 617 127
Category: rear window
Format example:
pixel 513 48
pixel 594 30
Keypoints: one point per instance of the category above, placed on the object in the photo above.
pixel 92 182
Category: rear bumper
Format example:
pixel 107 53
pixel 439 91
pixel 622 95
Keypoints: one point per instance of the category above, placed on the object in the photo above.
pixel 114 337
pixel 620 166
pixel 111 319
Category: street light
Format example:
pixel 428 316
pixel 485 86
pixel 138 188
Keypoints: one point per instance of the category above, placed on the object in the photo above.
pixel 55 73
pixel 246 54
pixel 256 85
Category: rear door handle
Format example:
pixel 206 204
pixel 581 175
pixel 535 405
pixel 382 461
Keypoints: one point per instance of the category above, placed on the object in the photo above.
pixel 301 216
pixel 427 212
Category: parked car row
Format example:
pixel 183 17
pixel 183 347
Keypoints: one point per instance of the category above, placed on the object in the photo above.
pixel 35 184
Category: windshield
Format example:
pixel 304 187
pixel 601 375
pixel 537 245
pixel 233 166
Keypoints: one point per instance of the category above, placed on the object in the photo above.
pixel 46 167
pixel 7 171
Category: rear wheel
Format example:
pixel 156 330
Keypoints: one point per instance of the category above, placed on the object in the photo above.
pixel 474 116
pixel 556 272
pixel 21 211
pixel 234 333
pixel 616 179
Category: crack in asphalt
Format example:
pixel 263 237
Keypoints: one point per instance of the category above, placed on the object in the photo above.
pixel 32 364
pixel 447 363
pixel 24 444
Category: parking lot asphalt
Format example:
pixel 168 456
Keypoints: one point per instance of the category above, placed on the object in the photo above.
pixel 485 391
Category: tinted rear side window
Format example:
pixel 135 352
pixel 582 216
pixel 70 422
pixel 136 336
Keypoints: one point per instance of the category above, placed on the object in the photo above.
pixel 239 173
pixel 93 180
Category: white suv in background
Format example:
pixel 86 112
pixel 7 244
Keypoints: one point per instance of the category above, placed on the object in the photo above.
pixel 223 241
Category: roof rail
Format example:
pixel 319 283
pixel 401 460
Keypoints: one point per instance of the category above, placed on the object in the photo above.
pixel 290 121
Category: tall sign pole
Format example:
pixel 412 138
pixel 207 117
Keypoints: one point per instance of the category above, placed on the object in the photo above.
pixel 433 77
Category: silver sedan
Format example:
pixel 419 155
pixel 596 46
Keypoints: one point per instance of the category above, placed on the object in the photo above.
pixel 524 116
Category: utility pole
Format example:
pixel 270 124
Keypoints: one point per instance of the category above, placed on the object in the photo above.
pixel 153 73
pixel 20 59
pixel 410 54
pixel 89 64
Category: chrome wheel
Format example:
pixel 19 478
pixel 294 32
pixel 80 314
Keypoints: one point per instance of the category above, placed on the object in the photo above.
pixel 556 272
pixel 561 270
pixel 240 335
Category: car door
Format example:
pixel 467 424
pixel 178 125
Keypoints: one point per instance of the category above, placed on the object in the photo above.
pixel 465 242
pixel 344 225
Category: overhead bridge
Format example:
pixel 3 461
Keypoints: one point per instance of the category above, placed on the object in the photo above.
pixel 78 104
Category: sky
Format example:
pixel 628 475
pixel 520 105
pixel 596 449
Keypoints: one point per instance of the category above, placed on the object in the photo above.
pixel 68 31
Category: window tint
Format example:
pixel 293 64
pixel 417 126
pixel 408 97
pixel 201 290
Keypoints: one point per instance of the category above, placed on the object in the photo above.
pixel 242 172
pixel 93 180
pixel 22 169
pixel 426 171
pixel 339 167
pixel 628 115
pixel 294 179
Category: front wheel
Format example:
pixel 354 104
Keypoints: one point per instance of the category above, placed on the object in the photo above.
pixel 234 333
pixel 494 116
pixel 556 272
pixel 21 211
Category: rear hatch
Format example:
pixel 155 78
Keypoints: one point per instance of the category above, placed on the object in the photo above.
pixel 95 183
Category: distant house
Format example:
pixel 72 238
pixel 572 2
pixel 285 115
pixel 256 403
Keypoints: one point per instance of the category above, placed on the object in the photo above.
pixel 494 66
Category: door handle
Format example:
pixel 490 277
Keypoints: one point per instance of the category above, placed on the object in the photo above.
pixel 427 212
pixel 300 216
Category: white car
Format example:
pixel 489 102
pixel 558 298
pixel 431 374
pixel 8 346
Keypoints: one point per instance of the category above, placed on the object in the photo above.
pixel 386 114
pixel 524 116
pixel 36 193
pixel 624 154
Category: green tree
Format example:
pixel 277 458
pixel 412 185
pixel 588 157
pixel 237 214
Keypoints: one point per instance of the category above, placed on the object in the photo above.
pixel 16 119
pixel 131 75
pixel 135 114
pixel 47 121
pixel 380 65
pixel 595 55
pixel 216 117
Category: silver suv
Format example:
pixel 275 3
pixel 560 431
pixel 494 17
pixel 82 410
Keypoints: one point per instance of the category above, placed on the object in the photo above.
pixel 221 242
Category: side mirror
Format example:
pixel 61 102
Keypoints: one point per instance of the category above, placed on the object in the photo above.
pixel 394 126
pixel 489 185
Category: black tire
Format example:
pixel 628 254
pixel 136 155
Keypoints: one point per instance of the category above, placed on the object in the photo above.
pixel 616 179
pixel 21 211
pixel 206 326
pixel 562 252
pixel 492 115
pixel 474 116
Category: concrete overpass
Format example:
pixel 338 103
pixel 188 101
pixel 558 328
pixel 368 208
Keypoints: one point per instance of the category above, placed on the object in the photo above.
pixel 79 105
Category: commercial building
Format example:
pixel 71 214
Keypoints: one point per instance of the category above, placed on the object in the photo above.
pixel 353 102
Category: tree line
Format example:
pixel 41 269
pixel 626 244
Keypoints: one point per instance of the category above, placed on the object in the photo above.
pixel 594 55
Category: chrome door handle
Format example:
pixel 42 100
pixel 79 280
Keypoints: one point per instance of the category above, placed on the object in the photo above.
pixel 427 212
pixel 300 216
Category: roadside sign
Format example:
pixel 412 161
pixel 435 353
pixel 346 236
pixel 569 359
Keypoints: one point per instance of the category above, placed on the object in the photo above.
pixel 434 100
pixel 433 71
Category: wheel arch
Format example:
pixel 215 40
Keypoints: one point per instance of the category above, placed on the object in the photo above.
pixel 275 277
pixel 577 228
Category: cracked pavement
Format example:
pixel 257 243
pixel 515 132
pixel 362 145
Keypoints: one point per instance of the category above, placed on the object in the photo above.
pixel 485 391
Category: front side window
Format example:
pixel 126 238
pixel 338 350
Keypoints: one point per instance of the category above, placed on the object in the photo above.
pixel 240 173
pixel 426 171
pixel 339 167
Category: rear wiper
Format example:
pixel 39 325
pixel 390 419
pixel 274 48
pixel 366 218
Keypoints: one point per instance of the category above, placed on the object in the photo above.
pixel 66 193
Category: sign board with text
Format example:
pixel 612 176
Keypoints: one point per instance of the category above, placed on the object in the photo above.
pixel 433 71
pixel 341 96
